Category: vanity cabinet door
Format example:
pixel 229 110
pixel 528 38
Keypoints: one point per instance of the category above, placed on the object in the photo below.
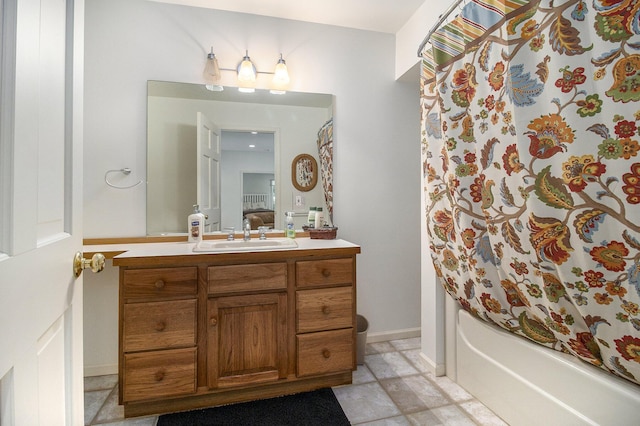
pixel 247 339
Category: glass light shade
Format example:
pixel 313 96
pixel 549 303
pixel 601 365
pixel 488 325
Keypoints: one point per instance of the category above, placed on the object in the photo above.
pixel 211 71
pixel 246 70
pixel 281 74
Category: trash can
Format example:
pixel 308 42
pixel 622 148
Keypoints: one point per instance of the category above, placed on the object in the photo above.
pixel 362 325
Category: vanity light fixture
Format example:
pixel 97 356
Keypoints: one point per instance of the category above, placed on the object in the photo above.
pixel 211 73
pixel 247 74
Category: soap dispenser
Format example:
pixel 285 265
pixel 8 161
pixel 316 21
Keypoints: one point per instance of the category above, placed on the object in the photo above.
pixel 290 230
pixel 195 225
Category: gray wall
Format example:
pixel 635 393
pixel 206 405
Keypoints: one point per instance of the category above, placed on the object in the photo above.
pixel 377 149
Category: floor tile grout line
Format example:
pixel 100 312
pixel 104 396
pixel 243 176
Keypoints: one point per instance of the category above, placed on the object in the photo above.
pixel 101 405
pixel 113 389
pixel 385 391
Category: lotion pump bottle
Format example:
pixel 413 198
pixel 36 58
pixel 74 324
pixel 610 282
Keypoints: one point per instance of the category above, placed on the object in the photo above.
pixel 319 222
pixel 195 225
pixel 311 219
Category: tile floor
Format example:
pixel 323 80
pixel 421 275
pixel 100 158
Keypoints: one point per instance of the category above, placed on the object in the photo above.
pixel 393 387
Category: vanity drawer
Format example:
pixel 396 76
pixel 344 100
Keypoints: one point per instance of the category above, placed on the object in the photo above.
pixel 160 283
pixel 159 325
pixel 239 278
pixel 324 272
pixel 324 309
pixel 154 375
pixel 325 352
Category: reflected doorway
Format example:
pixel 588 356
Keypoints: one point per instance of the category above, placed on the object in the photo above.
pixel 247 175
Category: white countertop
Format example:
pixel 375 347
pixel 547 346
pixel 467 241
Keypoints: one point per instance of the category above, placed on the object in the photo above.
pixel 184 248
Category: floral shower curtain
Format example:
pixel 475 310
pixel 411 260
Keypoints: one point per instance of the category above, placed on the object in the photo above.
pixel 530 120
pixel 325 152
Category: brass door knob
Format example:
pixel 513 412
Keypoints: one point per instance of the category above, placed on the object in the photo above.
pixel 96 263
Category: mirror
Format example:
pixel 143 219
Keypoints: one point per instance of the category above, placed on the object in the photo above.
pixel 304 172
pixel 292 122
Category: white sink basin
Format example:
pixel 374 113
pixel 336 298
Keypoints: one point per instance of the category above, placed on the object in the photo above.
pixel 241 245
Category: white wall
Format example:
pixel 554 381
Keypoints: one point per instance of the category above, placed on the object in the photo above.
pixel 376 133
pixel 411 35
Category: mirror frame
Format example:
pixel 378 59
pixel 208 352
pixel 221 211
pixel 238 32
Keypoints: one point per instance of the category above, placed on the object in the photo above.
pixel 299 162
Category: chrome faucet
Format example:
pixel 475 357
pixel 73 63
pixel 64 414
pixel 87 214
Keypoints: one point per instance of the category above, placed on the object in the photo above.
pixel 262 230
pixel 246 226
pixel 230 233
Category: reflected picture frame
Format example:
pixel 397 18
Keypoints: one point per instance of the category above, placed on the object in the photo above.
pixel 304 172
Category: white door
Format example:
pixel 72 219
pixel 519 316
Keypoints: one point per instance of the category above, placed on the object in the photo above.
pixel 208 185
pixel 41 92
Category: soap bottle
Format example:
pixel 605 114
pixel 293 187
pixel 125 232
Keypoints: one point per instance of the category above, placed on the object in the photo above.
pixel 195 225
pixel 319 220
pixel 290 230
pixel 311 219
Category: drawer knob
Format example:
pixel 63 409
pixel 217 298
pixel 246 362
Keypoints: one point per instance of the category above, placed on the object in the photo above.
pixel 160 284
pixel 161 325
pixel 213 321
pixel 159 375
pixel 326 310
pixel 326 273
pixel 326 353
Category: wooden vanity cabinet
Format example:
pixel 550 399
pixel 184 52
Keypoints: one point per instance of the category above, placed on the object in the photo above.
pixel 210 329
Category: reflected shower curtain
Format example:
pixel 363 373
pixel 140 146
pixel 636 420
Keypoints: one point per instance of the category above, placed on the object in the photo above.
pixel 325 153
pixel 530 120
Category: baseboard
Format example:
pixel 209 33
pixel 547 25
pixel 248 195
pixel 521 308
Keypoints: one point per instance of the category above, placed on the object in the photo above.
pixel 384 336
pixel 100 370
pixel 435 369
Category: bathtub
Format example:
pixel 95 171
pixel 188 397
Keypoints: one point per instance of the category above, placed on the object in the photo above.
pixel 528 384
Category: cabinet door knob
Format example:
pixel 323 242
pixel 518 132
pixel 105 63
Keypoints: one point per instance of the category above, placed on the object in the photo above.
pixel 161 325
pixel 326 273
pixel 213 321
pixel 326 353
pixel 159 375
pixel 326 310
pixel 160 284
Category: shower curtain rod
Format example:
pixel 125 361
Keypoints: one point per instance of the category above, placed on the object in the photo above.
pixel 441 19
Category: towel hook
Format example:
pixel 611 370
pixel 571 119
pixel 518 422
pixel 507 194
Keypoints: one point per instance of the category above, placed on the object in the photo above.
pixel 125 171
